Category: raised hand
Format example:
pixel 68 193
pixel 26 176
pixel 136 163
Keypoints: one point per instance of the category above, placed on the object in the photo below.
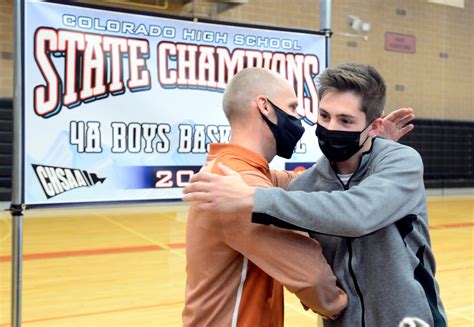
pixel 395 124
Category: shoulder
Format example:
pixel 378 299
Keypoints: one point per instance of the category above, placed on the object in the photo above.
pixel 305 179
pixel 387 150
pixel 252 175
pixel 231 160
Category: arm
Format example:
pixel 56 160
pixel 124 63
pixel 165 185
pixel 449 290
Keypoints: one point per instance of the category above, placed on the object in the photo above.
pixel 296 261
pixel 392 191
pixel 281 178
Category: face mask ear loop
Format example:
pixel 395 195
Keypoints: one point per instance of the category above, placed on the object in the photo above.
pixel 367 133
pixel 275 109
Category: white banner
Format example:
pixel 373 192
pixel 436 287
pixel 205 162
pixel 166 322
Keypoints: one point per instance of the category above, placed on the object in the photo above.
pixel 120 106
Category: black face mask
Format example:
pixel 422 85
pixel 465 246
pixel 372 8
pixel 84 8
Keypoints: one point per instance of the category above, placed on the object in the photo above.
pixel 339 145
pixel 287 132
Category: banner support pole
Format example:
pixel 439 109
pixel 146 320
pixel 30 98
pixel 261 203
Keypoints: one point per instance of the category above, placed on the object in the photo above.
pixel 17 206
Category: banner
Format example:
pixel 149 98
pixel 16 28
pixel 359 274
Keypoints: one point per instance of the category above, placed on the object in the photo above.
pixel 121 106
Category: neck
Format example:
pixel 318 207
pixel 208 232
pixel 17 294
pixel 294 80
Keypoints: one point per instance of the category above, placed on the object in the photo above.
pixel 350 165
pixel 253 143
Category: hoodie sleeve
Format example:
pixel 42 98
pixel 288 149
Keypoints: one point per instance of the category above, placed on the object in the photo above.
pixel 393 190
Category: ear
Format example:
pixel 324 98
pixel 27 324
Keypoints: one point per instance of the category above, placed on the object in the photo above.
pixel 376 128
pixel 262 105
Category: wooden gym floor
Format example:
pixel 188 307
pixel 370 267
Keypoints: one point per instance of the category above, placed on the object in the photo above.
pixel 125 266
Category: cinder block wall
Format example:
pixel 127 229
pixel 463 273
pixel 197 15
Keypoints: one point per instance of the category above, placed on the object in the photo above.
pixel 436 86
pixel 438 80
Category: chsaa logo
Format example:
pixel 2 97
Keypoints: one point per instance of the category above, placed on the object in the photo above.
pixel 57 180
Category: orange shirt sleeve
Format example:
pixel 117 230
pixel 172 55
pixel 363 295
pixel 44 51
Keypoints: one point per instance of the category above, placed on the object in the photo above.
pixel 296 261
pixel 281 178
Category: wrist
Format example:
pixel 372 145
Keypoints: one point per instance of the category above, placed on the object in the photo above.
pixel 249 199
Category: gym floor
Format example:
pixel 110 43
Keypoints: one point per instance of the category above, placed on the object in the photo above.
pixel 125 266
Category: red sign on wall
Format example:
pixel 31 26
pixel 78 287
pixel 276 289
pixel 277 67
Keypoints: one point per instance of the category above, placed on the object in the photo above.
pixel 400 42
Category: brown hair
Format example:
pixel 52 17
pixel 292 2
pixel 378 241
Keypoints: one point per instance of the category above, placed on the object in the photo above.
pixel 362 80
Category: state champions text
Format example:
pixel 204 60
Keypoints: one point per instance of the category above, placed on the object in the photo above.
pixel 94 67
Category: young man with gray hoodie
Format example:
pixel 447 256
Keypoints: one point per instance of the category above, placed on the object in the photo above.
pixel 364 201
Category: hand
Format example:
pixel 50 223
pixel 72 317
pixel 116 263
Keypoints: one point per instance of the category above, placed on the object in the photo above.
pixel 225 194
pixel 393 127
pixel 306 308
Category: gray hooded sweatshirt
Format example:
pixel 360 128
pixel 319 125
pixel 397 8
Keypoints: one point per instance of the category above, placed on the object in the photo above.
pixel 373 231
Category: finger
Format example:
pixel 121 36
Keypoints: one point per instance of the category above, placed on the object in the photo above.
pixel 198 177
pixel 197 197
pixel 399 113
pixel 403 131
pixel 407 110
pixel 197 187
pixel 403 111
pixel 226 170
pixel 405 120
pixel 203 177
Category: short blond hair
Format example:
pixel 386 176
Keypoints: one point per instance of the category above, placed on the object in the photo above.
pixel 246 85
